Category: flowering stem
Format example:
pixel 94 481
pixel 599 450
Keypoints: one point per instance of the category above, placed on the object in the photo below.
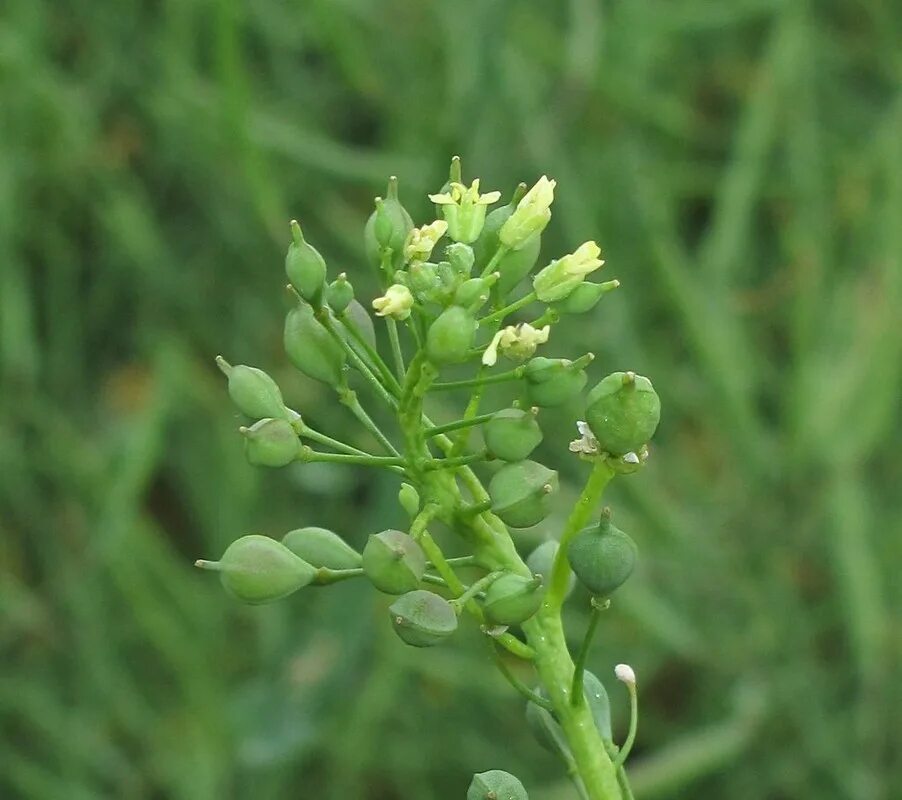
pixel 501 313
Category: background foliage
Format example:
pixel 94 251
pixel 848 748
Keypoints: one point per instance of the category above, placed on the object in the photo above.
pixel 741 165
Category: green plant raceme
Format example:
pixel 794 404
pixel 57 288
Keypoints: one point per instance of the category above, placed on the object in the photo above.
pixel 441 297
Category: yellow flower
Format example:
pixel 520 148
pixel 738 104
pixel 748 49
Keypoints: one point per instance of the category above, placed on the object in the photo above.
pixel 464 210
pixel 517 342
pixel 421 241
pixel 562 276
pixel 530 216
pixel 395 303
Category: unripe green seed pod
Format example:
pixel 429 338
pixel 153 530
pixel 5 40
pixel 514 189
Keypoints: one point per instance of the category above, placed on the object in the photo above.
pixel 512 599
pixel 257 569
pixel 271 443
pixel 253 392
pixel 512 434
pixel 409 498
pixel 602 557
pixel 422 619
pixel 320 547
pixel 545 728
pixel 450 336
pixel 394 225
pixel 423 280
pixel 521 493
pixel 599 704
pixel 585 297
pixel 623 412
pixel 496 785
pixel 472 294
pixel 393 562
pixel 339 293
pixel 541 560
pixel 552 381
pixel 360 317
pixel 305 267
pixel 460 257
pixel 311 348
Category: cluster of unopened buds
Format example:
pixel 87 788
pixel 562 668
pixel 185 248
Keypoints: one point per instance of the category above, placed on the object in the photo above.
pixel 451 286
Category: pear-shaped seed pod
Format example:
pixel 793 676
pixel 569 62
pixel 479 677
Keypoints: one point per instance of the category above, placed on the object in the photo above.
pixel 271 443
pixel 496 785
pixel 552 381
pixel 541 560
pixel 512 599
pixel 585 297
pixel 603 557
pixel 256 569
pixel 623 411
pixel 422 619
pixel 387 226
pixel 450 336
pixel 253 392
pixel 339 293
pixel 311 348
pixel 512 434
pixel 393 562
pixel 521 493
pixel 305 267
pixel 321 547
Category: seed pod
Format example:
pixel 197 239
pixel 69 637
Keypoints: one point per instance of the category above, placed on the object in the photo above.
pixel 305 267
pixel 512 434
pixel 339 293
pixel 257 569
pixel 602 556
pixel 545 729
pixel 512 599
pixel 521 493
pixel 541 560
pixel 393 562
pixel 320 547
pixel 585 297
pixel 552 381
pixel 460 257
pixel 253 392
pixel 311 348
pixel 515 265
pixel 394 225
pixel 450 336
pixel 360 317
pixel 423 280
pixel 623 411
pixel 422 619
pixel 271 443
pixel 496 785
pixel 409 498
pixel 599 704
pixel 473 293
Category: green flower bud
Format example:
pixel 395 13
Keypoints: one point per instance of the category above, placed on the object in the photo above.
pixel 320 547
pixel 512 598
pixel 521 493
pixel 561 277
pixel 305 267
pixel 530 216
pixel 253 392
pixel 271 443
pixel 311 348
pixel 450 336
pixel 541 560
pixel 460 257
pixel 393 562
pixel 409 498
pixel 472 294
pixel 394 226
pixel 553 381
pixel 602 556
pixel 339 293
pixel 422 619
pixel 623 412
pixel 585 296
pixel 512 434
pixel 423 280
pixel 256 569
pixel 496 785
pixel 464 209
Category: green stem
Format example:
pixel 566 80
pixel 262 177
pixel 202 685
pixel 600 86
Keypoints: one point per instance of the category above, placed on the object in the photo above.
pixel 396 347
pixel 634 724
pixel 457 424
pixel 452 463
pixel 514 681
pixel 308 454
pixel 501 313
pixel 349 398
pixel 576 694
pixel 500 253
pixel 371 351
pixel 475 588
pixel 501 377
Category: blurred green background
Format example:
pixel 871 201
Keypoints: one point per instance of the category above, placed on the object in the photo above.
pixel 740 164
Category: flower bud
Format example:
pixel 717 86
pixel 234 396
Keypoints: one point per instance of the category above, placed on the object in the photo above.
pixel 339 293
pixel 422 619
pixel 311 348
pixel 460 257
pixel 561 277
pixel 602 556
pixel 521 493
pixel 450 337
pixel 623 412
pixel 541 560
pixel 305 267
pixel 257 569
pixel 585 296
pixel 320 547
pixel 271 443
pixel 424 282
pixel 553 381
pixel 464 209
pixel 512 434
pixel 395 303
pixel 253 392
pixel 409 498
pixel 393 562
pixel 512 599
pixel 530 217
pixel 394 224
pixel 496 785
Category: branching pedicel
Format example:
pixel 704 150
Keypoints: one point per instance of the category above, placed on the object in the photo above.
pixel 455 311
